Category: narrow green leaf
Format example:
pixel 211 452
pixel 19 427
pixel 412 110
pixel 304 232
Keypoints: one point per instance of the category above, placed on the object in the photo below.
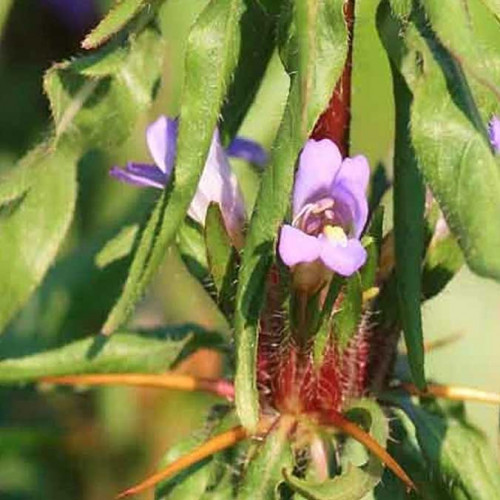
pixel 321 35
pixel 124 352
pixel 35 220
pixel 443 259
pixel 322 333
pixel 191 244
pixel 218 245
pixel 211 57
pixel 120 14
pixel 95 100
pixel 117 247
pixel 459 452
pixel 263 475
pixel 409 202
pixel 368 272
pixel 346 320
pixel 355 482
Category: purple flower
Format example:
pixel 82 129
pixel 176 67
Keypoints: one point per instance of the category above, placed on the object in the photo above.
pixel 217 184
pixel 77 15
pixel 329 210
pixel 494 131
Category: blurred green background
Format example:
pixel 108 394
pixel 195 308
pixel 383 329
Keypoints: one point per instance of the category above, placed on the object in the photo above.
pixel 89 445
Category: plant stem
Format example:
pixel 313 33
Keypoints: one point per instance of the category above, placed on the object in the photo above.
pixel 220 387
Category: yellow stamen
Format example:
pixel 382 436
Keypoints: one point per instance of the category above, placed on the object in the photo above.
pixel 371 293
pixel 336 235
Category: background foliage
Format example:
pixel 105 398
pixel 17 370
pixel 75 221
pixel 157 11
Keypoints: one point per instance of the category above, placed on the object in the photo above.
pixel 58 445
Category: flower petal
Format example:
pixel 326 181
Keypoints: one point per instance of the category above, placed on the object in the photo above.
pixel 343 259
pixel 218 184
pixel 356 203
pixel 248 150
pixel 139 174
pixel 319 163
pixel 296 246
pixel 161 137
pixel 494 133
pixel 354 173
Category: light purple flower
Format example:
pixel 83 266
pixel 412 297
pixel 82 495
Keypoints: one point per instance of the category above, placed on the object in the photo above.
pixel 217 184
pixel 329 210
pixel 494 131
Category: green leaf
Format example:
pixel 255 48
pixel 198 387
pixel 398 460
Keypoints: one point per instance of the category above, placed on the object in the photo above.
pixel 123 352
pixel 443 260
pixel 404 448
pixel 494 6
pixel 452 23
pixel 263 475
pixel 346 320
pixel 211 57
pixel 96 100
pixel 35 219
pixel 118 247
pixel 191 244
pixel 121 13
pixel 409 201
pixel 450 140
pixel 356 482
pixel 193 482
pixel 459 452
pixel 218 244
pixel 320 34
pixel 322 333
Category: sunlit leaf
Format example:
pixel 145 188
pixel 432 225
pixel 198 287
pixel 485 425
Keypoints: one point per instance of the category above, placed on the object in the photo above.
pixel 145 352
pixel 211 56
pixel 218 244
pixel 95 100
pixel 118 247
pixel 450 140
pixel 119 15
pixel 33 222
